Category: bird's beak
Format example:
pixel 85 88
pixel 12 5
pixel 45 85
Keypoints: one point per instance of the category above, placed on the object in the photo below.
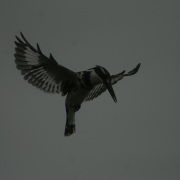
pixel 111 91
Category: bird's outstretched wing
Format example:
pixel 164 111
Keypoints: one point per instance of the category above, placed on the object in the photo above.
pixel 95 92
pixel 41 71
pixel 100 88
pixel 117 77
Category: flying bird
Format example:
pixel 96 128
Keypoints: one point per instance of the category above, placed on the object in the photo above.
pixel 46 74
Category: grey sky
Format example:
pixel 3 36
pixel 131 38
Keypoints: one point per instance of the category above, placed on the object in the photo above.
pixel 134 139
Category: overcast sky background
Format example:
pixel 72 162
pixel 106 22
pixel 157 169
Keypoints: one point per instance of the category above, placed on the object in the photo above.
pixel 134 139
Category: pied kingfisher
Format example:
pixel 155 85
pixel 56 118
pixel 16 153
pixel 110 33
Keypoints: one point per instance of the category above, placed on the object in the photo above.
pixel 46 74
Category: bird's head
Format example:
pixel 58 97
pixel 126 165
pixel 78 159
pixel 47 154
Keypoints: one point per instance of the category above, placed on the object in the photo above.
pixel 105 77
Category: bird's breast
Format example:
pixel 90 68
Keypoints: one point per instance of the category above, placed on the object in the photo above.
pixel 94 78
pixel 77 95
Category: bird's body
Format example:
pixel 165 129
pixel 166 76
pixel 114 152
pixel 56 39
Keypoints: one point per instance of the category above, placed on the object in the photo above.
pixel 46 74
pixel 86 81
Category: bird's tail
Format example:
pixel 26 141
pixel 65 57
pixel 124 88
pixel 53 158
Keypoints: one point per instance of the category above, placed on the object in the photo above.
pixel 70 122
pixel 69 129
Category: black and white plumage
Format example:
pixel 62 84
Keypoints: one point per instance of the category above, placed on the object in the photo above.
pixel 46 74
